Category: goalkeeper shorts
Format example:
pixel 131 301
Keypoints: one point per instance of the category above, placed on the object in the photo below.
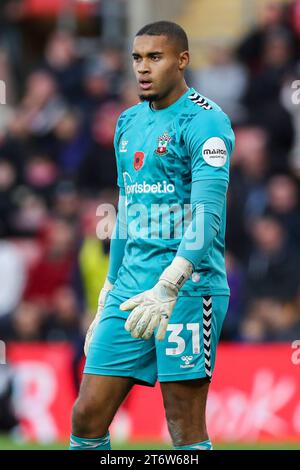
pixel 187 352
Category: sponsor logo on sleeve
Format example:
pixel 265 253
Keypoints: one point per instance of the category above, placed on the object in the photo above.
pixel 214 152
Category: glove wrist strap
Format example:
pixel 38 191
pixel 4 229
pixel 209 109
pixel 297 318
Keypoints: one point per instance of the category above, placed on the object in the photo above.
pixel 107 287
pixel 178 272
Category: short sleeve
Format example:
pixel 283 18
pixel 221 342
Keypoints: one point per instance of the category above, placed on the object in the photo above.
pixel 210 142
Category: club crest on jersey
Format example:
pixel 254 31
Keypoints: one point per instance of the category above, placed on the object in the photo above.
pixel 163 142
pixel 138 160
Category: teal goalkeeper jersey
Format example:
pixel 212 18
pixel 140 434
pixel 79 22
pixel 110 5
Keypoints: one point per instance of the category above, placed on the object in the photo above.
pixel 160 153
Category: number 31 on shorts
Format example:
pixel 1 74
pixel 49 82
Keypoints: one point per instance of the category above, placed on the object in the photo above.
pixel 176 336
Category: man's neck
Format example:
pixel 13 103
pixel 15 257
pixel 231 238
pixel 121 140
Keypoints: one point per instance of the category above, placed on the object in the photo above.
pixel 173 96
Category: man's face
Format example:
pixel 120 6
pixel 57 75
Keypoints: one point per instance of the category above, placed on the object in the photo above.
pixel 158 66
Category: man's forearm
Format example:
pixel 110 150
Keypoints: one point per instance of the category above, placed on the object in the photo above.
pixel 118 241
pixel 207 200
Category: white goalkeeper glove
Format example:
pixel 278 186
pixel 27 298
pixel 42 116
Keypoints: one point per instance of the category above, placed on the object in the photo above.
pixel 107 287
pixel 153 308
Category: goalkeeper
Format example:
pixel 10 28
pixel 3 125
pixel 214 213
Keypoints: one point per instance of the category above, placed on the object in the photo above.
pixel 162 306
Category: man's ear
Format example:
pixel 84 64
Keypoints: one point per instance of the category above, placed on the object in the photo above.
pixel 184 59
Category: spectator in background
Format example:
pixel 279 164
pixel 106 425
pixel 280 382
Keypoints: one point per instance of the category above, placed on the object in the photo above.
pixel 262 98
pixel 71 142
pixel 62 322
pixel 277 62
pixel 22 212
pixel 255 326
pixel 97 87
pixel 31 214
pixel 285 323
pixel 271 320
pixel 273 18
pixel 24 324
pixel 98 169
pixel 283 204
pixel 273 268
pixel 41 175
pixel 66 202
pixel 112 58
pixel 55 266
pixel 16 141
pixel 224 81
pixel 42 103
pixel 247 192
pixel 62 62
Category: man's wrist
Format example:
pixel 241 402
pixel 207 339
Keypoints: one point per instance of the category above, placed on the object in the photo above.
pixel 107 287
pixel 178 272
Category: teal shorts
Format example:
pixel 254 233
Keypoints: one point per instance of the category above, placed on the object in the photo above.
pixel 187 352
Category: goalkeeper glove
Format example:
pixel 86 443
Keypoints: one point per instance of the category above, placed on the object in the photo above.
pixel 153 308
pixel 107 287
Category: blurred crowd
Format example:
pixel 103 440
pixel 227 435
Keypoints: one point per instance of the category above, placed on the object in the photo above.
pixel 256 83
pixel 57 165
